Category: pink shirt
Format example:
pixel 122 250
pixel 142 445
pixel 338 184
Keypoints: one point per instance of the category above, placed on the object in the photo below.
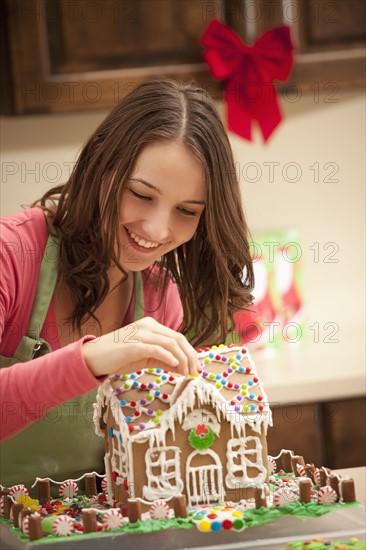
pixel 28 390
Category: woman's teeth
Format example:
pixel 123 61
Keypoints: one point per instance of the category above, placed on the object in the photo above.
pixel 142 242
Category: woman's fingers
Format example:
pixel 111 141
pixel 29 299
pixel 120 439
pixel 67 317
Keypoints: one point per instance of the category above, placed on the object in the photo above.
pixel 174 341
pixel 137 345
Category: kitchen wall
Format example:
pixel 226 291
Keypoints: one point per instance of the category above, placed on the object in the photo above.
pixel 310 176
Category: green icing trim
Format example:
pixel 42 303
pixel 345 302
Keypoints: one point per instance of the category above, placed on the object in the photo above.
pixel 331 544
pixel 155 525
pixel 263 515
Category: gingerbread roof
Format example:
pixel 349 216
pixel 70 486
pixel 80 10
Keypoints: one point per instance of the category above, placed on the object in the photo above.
pixel 151 399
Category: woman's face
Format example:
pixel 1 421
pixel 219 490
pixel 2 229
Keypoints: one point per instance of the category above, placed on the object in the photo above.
pixel 161 205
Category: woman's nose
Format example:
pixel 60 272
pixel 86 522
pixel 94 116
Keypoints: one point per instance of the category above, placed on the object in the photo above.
pixel 157 227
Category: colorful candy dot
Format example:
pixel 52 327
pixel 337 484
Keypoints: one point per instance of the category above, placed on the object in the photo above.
pixel 204 525
pixel 238 524
pixel 216 526
pixel 227 524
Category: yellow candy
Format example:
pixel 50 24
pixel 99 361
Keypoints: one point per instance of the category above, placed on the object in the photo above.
pixel 221 346
pixel 237 514
pixel 353 539
pixel 28 502
pixel 214 347
pixel 204 525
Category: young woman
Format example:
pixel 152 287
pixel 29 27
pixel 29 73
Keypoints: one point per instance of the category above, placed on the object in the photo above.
pixel 146 243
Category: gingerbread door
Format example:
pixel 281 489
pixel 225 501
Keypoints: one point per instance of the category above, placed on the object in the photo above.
pixel 204 477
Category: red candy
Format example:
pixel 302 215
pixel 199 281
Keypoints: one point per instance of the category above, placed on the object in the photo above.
pixel 227 524
pixel 143 386
pixel 165 396
pixel 248 369
pixel 217 357
pixel 131 429
pixel 133 403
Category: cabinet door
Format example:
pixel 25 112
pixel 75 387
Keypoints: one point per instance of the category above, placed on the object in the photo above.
pixel 298 427
pixel 345 430
pixel 77 55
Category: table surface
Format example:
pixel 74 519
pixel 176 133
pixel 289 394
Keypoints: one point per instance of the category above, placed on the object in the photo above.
pixel 272 536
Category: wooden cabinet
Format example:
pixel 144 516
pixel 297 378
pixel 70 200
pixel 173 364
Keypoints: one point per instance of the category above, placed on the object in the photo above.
pixel 68 55
pixel 331 434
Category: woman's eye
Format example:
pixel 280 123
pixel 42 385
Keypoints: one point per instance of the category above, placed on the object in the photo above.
pixel 139 196
pixel 187 212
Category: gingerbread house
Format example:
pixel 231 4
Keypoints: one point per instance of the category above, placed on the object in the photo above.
pixel 202 436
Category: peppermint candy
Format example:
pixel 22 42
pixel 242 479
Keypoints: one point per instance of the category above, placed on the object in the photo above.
pixel 327 495
pixel 63 526
pixel 68 489
pixel 272 465
pixel 283 496
pixel 104 484
pixel 301 470
pixel 25 526
pixel 2 505
pixel 313 495
pixel 112 519
pixel 159 510
pixel 317 477
pixel 18 491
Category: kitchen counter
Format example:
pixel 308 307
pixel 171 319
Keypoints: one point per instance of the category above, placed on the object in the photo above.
pixel 313 371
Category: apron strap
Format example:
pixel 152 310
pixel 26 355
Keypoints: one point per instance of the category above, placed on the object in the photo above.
pixel 32 345
pixel 138 310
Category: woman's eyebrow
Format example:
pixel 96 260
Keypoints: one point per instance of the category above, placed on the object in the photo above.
pixel 151 186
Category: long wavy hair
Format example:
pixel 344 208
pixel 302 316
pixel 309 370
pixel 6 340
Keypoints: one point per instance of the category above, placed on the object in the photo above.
pixel 213 271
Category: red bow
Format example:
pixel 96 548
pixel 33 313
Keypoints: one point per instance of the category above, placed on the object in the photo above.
pixel 249 72
pixel 201 429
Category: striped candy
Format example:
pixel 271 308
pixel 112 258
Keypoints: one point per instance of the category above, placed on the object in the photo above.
pixel 317 477
pixel 63 526
pixel 283 496
pixel 301 470
pixel 2 505
pixel 17 491
pixel 68 489
pixel 313 495
pixel 25 526
pixel 327 495
pixel 159 510
pixel 104 484
pixel 112 519
pixel 272 465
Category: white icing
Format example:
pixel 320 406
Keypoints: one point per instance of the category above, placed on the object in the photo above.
pixel 204 482
pixel 201 416
pixel 248 458
pixel 168 482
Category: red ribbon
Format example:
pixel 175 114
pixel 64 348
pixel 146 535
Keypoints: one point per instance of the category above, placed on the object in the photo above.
pixel 248 72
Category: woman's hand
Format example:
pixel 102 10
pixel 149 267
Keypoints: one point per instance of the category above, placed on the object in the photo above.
pixel 140 345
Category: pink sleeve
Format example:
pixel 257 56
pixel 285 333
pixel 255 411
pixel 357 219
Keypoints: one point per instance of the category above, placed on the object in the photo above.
pixel 29 390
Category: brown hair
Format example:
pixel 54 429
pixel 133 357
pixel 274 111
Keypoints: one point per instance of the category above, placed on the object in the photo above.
pixel 213 271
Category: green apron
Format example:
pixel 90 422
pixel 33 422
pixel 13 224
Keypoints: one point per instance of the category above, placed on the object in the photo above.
pixel 62 444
